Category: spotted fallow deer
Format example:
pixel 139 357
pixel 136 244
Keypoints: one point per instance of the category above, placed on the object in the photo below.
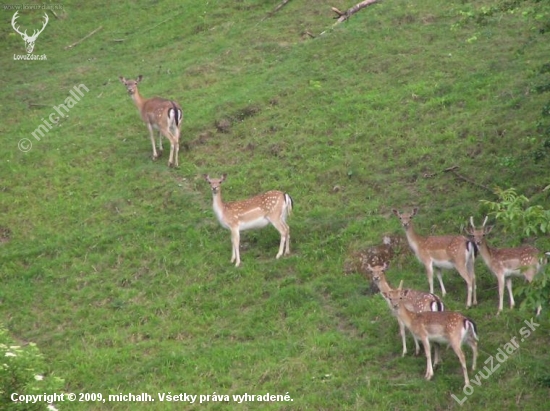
pixel 445 327
pixel 442 252
pixel 272 207
pixel 416 301
pixel 160 114
pixel 504 263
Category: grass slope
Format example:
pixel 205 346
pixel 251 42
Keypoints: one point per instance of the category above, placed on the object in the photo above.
pixel 117 268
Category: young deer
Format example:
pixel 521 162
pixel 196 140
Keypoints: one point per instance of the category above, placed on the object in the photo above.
pixel 438 327
pixel 271 207
pixel 442 252
pixel 416 301
pixel 161 114
pixel 505 263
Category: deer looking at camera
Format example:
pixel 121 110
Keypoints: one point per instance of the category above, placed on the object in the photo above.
pixel 442 252
pixel 272 207
pixel 160 114
pixel 438 327
pixel 505 263
pixel 416 301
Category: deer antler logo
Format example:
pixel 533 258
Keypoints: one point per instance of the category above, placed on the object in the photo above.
pixel 29 40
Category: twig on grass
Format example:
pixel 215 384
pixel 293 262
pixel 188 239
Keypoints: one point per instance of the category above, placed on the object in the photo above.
pixel 276 9
pixel 468 180
pixel 84 38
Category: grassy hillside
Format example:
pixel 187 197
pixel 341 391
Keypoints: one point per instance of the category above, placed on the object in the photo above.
pixel 117 268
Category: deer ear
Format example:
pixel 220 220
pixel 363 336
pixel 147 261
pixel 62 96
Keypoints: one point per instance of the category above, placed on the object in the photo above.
pixel 224 176
pixel 122 79
pixel 415 210
pixel 488 229
pixel 393 210
pixel 140 77
pixel 206 177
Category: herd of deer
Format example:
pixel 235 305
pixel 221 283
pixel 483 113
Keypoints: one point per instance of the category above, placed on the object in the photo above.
pixel 421 312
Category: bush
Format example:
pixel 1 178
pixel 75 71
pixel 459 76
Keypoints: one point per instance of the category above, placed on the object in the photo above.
pixel 23 372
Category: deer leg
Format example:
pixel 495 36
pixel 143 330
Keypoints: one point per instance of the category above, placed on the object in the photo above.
pixel 460 354
pixel 428 352
pixel 440 278
pixel 417 347
pixel 474 284
pixel 509 286
pixel 235 242
pixel 473 346
pixel 465 274
pixel 437 358
pixel 282 228
pixel 152 137
pixel 176 146
pixel 403 338
pixel 430 274
pixel 161 149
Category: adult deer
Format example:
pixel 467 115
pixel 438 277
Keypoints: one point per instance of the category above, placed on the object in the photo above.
pixel 160 114
pixel 271 207
pixel 29 40
pixel 504 263
pixel 438 327
pixel 442 252
pixel 416 301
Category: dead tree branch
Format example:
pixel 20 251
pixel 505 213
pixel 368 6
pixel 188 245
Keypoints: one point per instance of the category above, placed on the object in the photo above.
pixel 276 9
pixel 84 38
pixel 344 15
pixel 468 180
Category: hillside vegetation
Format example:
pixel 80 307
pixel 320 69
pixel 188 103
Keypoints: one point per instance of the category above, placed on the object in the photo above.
pixel 116 267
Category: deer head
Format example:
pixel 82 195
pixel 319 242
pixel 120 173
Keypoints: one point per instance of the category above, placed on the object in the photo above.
pixel 29 40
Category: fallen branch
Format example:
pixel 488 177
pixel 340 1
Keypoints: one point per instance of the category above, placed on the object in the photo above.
pixel 84 38
pixel 344 15
pixel 460 176
pixel 276 9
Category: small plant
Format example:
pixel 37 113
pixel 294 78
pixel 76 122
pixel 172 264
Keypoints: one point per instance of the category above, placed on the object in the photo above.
pixel 22 372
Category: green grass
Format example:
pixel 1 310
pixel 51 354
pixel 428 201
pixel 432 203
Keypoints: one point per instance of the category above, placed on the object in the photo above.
pixel 117 268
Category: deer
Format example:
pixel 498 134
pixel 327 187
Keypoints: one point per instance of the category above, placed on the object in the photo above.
pixel 446 327
pixel 442 252
pixel 272 207
pixel 29 40
pixel 160 114
pixel 505 263
pixel 416 301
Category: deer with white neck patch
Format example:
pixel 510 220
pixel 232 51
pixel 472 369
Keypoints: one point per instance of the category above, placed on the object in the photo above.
pixel 160 114
pixel 445 327
pixel 272 207
pixel 505 263
pixel 416 301
pixel 442 252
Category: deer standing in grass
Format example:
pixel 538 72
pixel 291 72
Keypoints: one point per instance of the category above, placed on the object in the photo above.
pixel 445 327
pixel 416 301
pixel 442 252
pixel 271 207
pixel 505 263
pixel 160 114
